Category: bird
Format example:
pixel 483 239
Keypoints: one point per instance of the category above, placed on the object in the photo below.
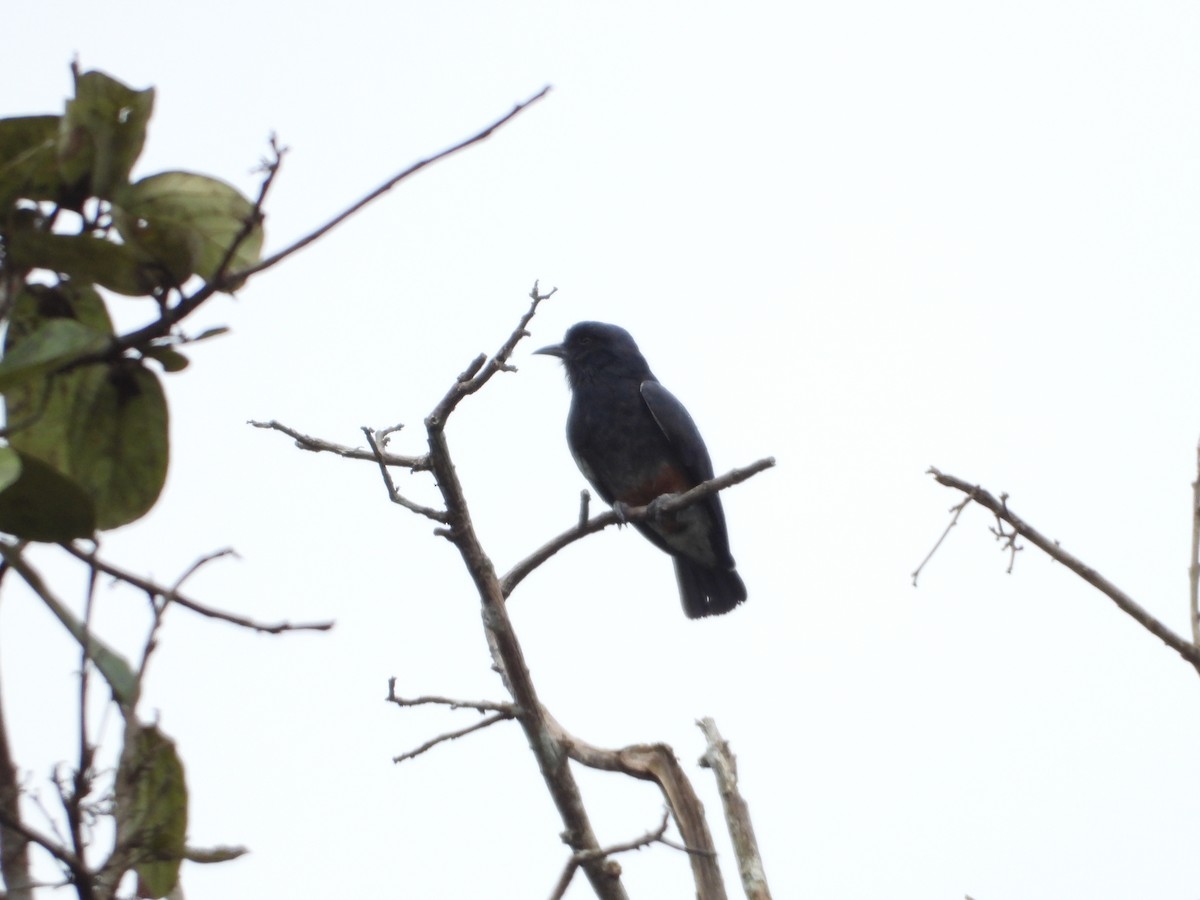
pixel 634 442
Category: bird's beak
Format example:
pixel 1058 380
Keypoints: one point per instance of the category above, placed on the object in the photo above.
pixel 552 350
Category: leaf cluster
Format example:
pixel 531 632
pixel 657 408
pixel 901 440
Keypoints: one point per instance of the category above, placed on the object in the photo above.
pixel 85 440
pixel 86 418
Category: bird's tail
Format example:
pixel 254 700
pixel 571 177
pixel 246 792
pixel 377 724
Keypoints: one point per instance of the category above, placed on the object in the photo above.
pixel 706 591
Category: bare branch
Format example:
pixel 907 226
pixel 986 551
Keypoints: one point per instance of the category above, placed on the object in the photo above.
pixel 477 374
pixel 452 735
pixel 650 837
pixel 385 187
pixel 502 639
pixel 657 763
pixel 157 590
pixel 957 509
pixel 394 495
pixel 1123 601
pixel 481 706
pixel 664 505
pixel 317 445
pixel 721 760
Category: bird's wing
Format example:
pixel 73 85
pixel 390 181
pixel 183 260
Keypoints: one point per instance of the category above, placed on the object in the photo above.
pixel 679 429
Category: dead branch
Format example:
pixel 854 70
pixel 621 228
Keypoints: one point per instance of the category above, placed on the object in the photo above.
pixel 656 836
pixel 481 706
pixel 999 508
pixel 957 509
pixel 453 735
pixel 657 763
pixel 317 445
pixel 394 495
pixel 721 760
pixel 552 762
pixel 157 590
pixel 387 186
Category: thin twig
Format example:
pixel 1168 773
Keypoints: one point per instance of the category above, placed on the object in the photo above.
pixel 452 735
pixel 650 837
pixel 174 596
pixel 394 495
pixel 664 505
pixel 385 187
pixel 957 509
pixel 317 445
pixel 482 706
pixel 481 369
pixel 1123 601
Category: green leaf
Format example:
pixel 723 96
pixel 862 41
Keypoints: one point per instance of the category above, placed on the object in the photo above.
pixel 118 442
pixel 10 466
pixel 188 221
pixel 85 258
pixel 53 344
pixel 39 411
pixel 102 426
pixel 152 807
pixel 36 303
pixel 42 504
pixel 171 360
pixel 28 161
pixel 102 133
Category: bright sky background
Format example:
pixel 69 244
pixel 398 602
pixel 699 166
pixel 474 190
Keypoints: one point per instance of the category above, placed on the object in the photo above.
pixel 862 237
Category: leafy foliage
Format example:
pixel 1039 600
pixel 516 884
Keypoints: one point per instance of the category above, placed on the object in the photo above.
pixel 87 418
pixel 86 438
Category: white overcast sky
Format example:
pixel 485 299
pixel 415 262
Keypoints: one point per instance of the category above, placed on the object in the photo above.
pixel 863 237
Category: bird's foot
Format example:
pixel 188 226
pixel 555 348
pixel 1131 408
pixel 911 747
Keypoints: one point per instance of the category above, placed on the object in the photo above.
pixel 622 513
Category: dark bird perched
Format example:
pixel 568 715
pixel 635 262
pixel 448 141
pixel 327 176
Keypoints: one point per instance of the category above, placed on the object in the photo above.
pixel 634 442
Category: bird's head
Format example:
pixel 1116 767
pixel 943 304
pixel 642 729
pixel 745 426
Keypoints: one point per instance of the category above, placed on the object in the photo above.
pixel 598 350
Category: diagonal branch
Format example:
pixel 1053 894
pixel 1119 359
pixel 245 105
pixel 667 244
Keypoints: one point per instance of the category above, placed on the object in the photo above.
pixel 452 735
pixel 394 495
pixel 667 503
pixel 657 836
pixel 387 186
pixel 173 595
pixel 1051 548
pixel 481 369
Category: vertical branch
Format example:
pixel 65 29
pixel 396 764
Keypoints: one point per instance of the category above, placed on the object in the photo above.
pixel 553 761
pixel 1194 569
pixel 14 846
pixel 721 760
pixel 554 764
